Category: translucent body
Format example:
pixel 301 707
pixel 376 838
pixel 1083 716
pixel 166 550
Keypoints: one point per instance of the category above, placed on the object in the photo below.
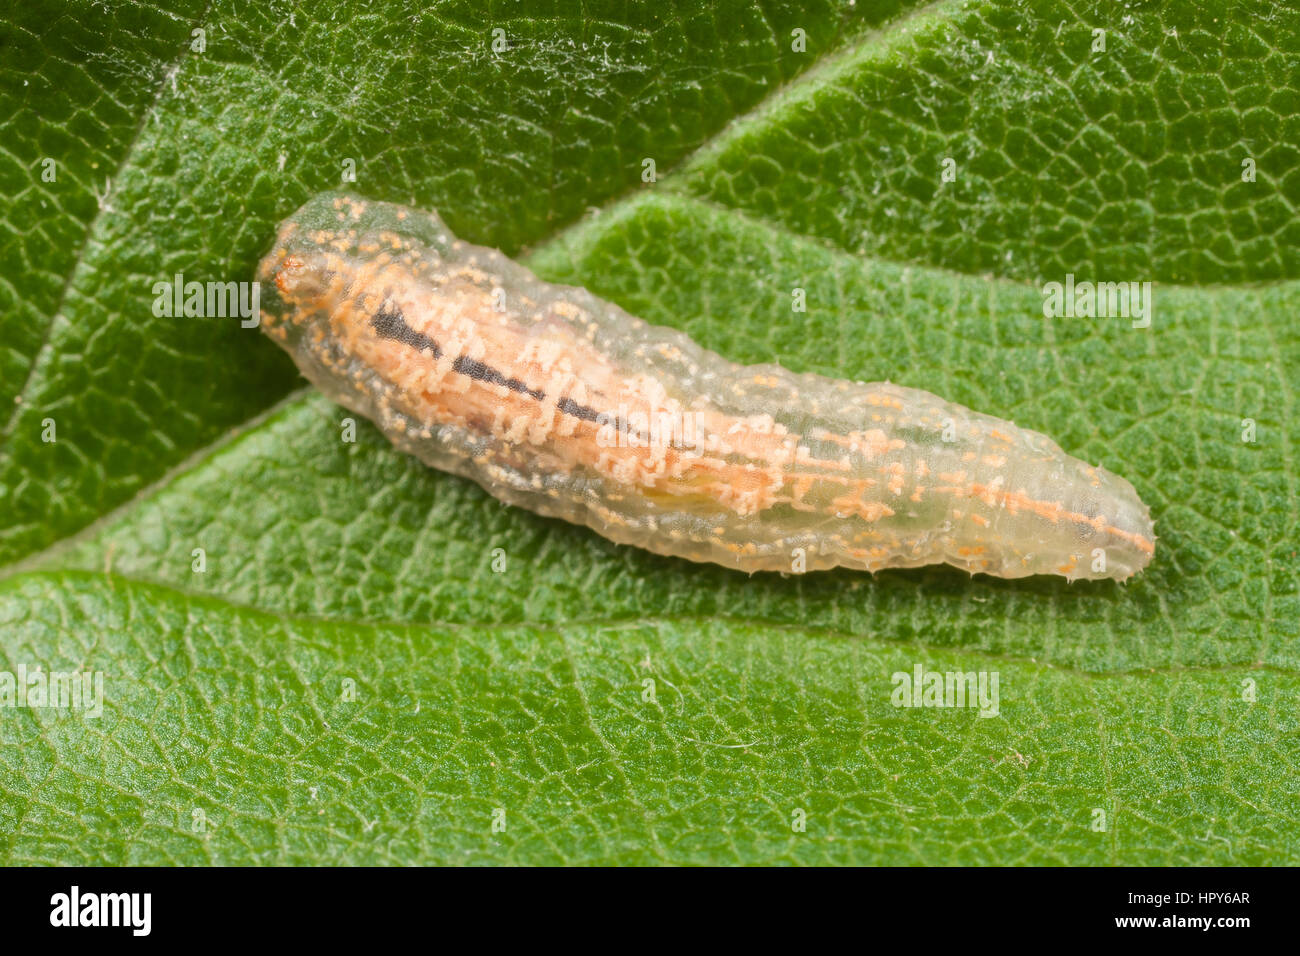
pixel 561 403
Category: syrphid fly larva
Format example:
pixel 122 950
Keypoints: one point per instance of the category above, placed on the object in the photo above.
pixel 559 402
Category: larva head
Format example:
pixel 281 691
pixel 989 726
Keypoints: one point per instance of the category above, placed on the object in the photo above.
pixel 337 253
pixel 301 278
pixel 294 289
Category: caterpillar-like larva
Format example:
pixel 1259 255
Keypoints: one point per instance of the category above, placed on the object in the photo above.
pixel 561 403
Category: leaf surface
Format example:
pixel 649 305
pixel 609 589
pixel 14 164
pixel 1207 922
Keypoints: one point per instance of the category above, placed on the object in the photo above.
pixel 350 680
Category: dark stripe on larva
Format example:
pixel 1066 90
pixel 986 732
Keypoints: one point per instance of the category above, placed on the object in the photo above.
pixel 585 412
pixel 392 325
pixel 482 372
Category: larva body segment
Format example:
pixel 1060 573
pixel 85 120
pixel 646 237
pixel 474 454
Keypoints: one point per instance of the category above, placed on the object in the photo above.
pixel 561 403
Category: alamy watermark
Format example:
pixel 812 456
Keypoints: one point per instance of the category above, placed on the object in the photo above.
pixel 923 688
pixel 75 908
pixel 72 690
pixel 177 298
pixel 636 429
pixel 1100 300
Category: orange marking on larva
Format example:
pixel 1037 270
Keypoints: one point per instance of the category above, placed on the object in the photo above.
pixel 1055 512
pixel 888 401
pixel 551 399
pixel 803 456
pixel 871 443
pixel 289 268
pixel 867 510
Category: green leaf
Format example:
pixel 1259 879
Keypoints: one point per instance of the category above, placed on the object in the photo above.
pixel 349 680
